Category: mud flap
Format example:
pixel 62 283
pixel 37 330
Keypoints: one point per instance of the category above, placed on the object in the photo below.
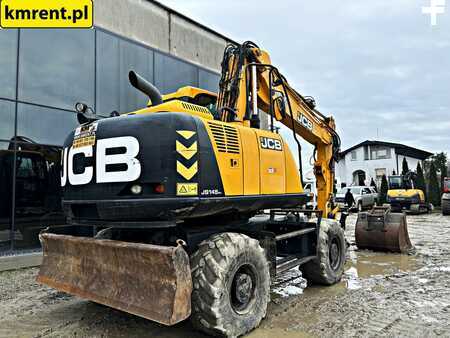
pixel 381 230
pixel 146 280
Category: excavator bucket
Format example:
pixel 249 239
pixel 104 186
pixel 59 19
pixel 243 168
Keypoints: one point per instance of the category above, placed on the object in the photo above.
pixel 146 280
pixel 381 230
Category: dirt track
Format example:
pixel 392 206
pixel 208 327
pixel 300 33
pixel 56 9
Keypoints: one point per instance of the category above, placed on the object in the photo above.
pixel 381 295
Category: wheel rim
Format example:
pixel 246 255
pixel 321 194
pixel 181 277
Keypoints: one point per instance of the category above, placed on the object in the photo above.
pixel 335 254
pixel 243 289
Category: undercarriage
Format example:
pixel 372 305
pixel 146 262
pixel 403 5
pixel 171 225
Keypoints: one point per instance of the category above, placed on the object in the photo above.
pixel 150 270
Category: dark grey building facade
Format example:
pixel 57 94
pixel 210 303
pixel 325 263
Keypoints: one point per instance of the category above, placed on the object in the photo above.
pixel 43 73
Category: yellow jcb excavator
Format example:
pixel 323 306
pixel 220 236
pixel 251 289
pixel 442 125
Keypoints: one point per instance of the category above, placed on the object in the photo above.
pixel 164 204
pixel 404 196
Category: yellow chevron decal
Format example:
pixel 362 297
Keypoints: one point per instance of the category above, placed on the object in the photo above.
pixel 187 152
pixel 187 134
pixel 187 173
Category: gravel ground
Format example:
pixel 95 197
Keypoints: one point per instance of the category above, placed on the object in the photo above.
pixel 381 295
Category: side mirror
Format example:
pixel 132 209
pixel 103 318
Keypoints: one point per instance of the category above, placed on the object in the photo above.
pixel 85 114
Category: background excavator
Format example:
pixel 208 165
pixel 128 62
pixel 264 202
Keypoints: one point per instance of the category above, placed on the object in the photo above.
pixel 165 204
pixel 38 191
pixel 404 196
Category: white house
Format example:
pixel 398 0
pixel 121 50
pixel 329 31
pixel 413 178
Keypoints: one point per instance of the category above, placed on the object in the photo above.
pixel 373 159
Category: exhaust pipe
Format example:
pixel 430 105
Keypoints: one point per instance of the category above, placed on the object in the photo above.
pixel 146 87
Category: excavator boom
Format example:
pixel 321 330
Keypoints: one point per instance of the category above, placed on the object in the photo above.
pixel 250 84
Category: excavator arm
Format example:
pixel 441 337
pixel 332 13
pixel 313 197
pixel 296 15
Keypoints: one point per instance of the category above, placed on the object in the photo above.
pixel 250 84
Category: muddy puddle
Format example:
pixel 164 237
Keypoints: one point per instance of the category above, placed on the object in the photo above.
pixel 295 302
pixel 367 264
pixel 361 266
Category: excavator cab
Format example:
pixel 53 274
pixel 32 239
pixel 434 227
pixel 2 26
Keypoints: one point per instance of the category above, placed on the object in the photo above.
pixel 399 182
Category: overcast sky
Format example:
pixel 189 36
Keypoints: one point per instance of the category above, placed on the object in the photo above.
pixel 378 67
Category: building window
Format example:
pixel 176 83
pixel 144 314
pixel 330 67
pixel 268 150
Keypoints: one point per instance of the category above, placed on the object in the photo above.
pixel 108 74
pixel 354 155
pixel 115 58
pixel 366 153
pixel 8 62
pixel 380 153
pixel 6 183
pixel 56 67
pixel 171 73
pixel 379 175
pixel 38 192
pixel 6 120
pixel 208 80
pixel 137 58
pixel 44 125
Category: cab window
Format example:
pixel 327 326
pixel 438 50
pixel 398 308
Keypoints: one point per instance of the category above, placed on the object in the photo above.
pixel 395 182
pixel 356 191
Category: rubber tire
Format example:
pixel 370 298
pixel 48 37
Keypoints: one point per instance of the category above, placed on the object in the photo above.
pixel 213 267
pixel 319 271
pixel 445 204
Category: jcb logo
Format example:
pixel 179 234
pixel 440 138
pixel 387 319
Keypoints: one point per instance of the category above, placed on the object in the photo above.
pixel 305 122
pixel 104 158
pixel 270 143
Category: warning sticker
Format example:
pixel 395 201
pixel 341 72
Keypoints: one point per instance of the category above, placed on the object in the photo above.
pixel 187 189
pixel 84 135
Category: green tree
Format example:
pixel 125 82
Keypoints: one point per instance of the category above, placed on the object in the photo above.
pixel 434 190
pixel 382 197
pixel 440 163
pixel 420 180
pixel 373 184
pixel 405 168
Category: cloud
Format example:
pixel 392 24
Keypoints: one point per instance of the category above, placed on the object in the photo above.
pixel 377 66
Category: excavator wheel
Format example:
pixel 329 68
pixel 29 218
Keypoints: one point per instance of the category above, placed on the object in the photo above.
pixel 445 207
pixel 328 267
pixel 231 285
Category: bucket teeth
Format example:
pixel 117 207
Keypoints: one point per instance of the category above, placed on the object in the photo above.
pixel 382 230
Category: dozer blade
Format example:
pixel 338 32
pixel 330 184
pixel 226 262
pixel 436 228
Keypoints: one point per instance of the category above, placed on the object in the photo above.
pixel 146 280
pixel 381 230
